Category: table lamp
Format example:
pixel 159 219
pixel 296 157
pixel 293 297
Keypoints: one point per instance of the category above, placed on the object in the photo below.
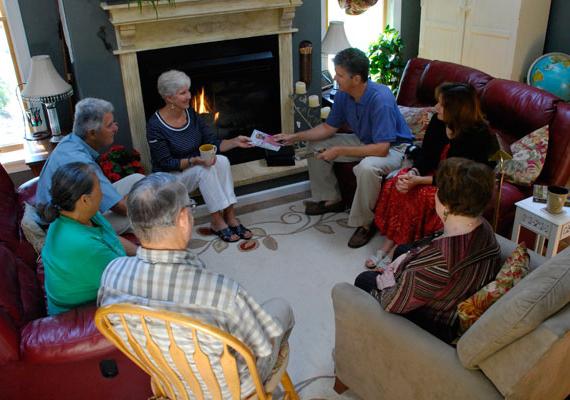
pixel 44 85
pixel 335 40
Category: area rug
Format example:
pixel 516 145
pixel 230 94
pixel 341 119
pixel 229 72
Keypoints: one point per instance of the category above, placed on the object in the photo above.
pixel 299 258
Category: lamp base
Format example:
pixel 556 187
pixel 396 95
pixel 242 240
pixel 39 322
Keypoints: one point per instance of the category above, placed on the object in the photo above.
pixel 56 138
pixel 34 136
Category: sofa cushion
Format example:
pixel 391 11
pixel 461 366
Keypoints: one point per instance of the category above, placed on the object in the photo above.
pixel 417 119
pixel 542 293
pixel 556 169
pixel 515 109
pixel 529 154
pixel 515 268
pixel 438 72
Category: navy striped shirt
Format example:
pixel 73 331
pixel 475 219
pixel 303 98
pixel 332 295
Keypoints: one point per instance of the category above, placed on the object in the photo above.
pixel 169 145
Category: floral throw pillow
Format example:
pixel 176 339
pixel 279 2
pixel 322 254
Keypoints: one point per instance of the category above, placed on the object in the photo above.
pixel 417 119
pixel 513 270
pixel 529 154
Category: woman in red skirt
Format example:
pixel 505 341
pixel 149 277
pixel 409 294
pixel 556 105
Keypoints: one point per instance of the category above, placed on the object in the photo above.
pixel 405 211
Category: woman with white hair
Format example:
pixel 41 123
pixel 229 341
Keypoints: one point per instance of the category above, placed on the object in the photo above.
pixel 174 133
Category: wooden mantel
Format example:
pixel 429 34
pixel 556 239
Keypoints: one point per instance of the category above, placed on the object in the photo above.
pixel 190 22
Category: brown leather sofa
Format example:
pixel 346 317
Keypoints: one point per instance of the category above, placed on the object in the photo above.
pixel 513 109
pixel 42 357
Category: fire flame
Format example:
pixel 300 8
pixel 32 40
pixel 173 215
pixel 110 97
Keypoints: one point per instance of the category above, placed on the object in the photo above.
pixel 201 106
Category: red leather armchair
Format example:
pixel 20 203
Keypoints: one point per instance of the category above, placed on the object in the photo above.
pixel 513 109
pixel 42 357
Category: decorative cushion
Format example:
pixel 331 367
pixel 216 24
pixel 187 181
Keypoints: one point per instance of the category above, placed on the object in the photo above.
pixel 545 291
pixel 417 119
pixel 515 268
pixel 529 154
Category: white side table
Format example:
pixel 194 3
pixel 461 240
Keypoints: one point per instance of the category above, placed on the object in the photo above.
pixel 534 217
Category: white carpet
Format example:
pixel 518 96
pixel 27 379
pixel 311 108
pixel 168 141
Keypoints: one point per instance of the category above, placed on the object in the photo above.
pixel 299 258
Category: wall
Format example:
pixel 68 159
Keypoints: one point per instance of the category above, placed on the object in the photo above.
pixel 410 28
pixel 307 20
pixel 558 34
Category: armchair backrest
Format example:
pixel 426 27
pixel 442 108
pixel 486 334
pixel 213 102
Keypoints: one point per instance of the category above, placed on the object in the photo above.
pixel 167 346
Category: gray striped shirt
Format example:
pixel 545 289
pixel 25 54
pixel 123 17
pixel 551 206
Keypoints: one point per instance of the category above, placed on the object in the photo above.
pixel 178 281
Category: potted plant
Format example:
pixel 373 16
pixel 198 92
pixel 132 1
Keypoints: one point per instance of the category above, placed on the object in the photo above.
pixel 385 55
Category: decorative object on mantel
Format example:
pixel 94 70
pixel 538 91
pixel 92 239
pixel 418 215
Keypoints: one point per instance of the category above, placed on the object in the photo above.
pixel 305 62
pixel 45 86
pixel 500 157
pixel 385 55
pixel 356 7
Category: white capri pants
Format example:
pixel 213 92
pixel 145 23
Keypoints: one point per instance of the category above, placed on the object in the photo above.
pixel 215 183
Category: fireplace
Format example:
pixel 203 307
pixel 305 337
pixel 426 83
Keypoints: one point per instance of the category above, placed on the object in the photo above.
pixel 235 86
pixel 194 23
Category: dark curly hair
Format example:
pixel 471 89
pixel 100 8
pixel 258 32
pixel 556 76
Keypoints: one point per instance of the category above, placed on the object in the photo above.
pixel 465 187
pixel 354 61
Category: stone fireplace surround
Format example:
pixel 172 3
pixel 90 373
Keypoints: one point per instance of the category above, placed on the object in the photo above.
pixel 192 22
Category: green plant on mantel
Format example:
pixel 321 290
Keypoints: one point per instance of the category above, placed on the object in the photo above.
pixel 385 55
pixel 153 3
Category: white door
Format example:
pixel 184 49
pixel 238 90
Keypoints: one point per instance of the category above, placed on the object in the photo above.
pixel 490 36
pixel 441 29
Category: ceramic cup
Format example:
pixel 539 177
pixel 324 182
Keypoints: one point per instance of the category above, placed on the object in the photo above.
pixel 555 199
pixel 208 151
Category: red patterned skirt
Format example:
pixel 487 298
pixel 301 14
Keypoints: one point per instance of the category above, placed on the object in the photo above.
pixel 406 217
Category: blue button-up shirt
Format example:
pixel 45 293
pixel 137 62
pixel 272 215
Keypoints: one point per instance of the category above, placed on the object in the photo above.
pixel 74 149
pixel 374 118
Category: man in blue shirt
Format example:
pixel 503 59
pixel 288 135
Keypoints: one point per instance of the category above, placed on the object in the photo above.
pixel 94 129
pixel 380 138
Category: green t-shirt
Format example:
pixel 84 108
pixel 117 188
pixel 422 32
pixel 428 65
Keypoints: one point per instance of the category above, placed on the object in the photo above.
pixel 74 257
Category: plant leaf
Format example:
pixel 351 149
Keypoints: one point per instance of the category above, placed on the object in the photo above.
pixel 258 231
pixel 197 243
pixel 323 228
pixel 270 243
pixel 220 245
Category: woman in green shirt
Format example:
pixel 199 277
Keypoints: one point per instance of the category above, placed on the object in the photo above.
pixel 80 242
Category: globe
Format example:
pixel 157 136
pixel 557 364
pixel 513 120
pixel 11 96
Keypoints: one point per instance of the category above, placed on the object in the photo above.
pixel 551 72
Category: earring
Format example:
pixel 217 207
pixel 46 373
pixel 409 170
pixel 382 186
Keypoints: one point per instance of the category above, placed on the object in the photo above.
pixel 172 106
pixel 445 214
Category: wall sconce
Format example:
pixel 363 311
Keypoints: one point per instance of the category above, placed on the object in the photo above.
pixel 47 87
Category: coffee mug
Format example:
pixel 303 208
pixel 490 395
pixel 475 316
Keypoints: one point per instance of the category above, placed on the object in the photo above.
pixel 555 199
pixel 208 151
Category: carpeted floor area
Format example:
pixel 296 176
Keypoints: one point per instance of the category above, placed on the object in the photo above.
pixel 299 258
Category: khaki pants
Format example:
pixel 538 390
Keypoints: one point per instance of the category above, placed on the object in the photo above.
pixel 324 185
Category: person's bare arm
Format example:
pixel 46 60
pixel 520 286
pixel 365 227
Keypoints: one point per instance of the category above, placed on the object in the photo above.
pixel 374 149
pixel 130 247
pixel 121 207
pixel 319 132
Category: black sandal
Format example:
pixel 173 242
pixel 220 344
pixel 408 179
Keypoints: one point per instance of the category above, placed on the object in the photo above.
pixel 225 234
pixel 241 231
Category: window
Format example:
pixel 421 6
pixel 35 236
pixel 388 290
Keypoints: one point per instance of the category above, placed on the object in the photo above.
pixel 11 118
pixel 363 29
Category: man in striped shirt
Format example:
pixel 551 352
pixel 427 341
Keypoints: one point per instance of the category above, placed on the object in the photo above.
pixel 165 275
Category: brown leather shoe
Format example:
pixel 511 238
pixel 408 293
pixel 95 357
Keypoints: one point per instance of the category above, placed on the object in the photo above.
pixel 361 236
pixel 320 207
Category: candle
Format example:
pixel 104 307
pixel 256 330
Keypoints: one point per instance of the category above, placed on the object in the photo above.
pixel 300 88
pixel 314 101
pixel 325 111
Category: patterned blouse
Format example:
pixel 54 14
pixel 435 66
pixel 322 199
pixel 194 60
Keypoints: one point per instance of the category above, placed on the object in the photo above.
pixel 435 277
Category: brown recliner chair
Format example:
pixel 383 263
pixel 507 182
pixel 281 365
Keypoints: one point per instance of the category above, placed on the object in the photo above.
pixel 42 357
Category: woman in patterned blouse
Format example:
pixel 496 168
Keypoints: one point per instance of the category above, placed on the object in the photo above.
pixel 428 279
pixel 174 134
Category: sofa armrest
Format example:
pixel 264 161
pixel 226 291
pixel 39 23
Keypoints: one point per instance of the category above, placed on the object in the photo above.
pixel 379 352
pixel 66 337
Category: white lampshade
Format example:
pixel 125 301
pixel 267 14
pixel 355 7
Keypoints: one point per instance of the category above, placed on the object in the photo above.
pixel 44 83
pixel 335 40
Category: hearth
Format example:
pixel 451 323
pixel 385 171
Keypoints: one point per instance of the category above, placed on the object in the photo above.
pixel 235 85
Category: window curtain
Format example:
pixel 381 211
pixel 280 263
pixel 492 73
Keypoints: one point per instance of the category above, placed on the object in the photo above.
pixel 356 7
